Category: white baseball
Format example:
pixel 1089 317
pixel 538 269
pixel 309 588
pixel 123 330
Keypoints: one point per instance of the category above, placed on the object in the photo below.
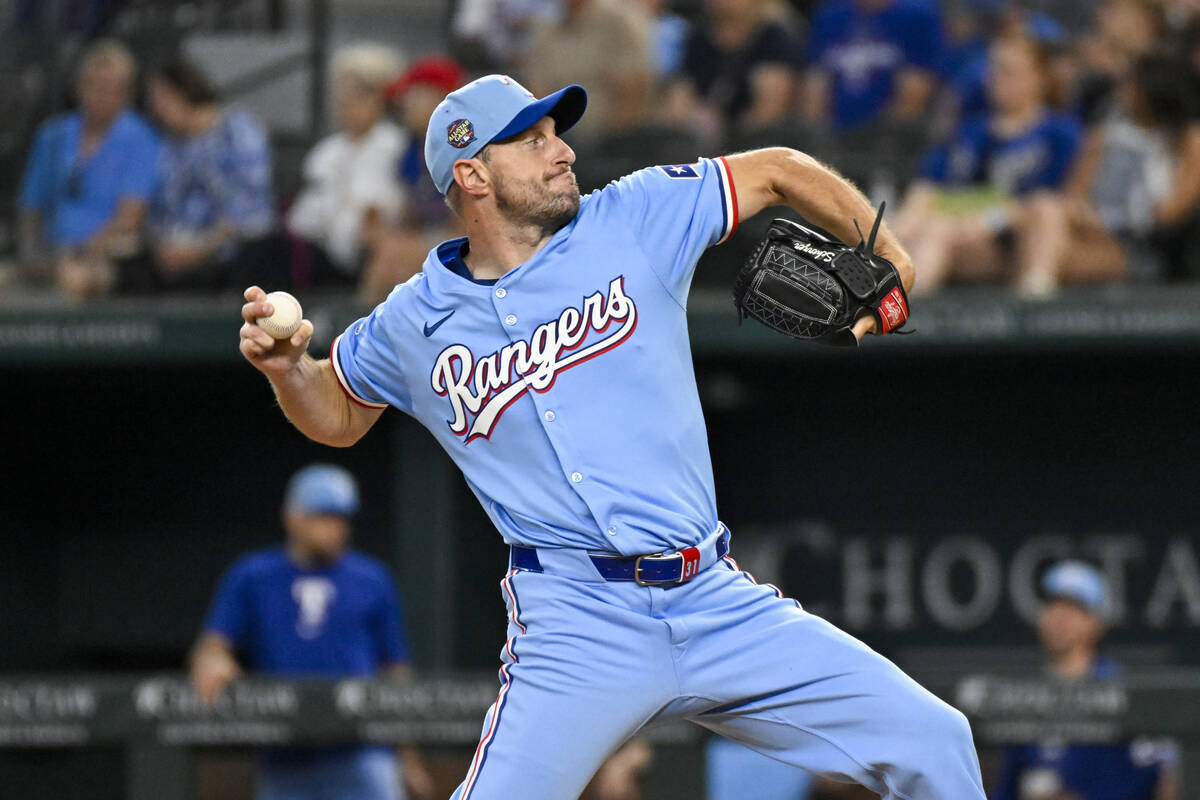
pixel 286 318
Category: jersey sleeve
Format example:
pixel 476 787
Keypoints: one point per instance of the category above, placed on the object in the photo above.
pixel 230 612
pixel 365 363
pixel 391 638
pixel 675 213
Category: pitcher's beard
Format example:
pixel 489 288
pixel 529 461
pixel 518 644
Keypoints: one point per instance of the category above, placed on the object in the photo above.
pixel 536 204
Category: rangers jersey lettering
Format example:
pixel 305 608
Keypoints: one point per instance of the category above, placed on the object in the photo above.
pixel 487 386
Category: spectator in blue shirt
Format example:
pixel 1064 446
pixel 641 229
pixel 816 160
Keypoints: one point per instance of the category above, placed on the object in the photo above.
pixel 987 204
pixel 88 180
pixel 214 198
pixel 1070 628
pixel 312 608
pixel 872 59
pixel 970 30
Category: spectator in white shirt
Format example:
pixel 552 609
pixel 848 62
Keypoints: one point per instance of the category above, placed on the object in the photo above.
pixel 351 192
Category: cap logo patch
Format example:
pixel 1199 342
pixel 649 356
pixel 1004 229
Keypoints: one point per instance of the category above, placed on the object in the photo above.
pixel 460 133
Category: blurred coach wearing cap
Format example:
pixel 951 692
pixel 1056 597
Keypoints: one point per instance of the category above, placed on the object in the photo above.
pixel 312 608
pixel 1070 628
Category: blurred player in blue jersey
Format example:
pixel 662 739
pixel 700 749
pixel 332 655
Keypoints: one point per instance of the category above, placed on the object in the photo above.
pixel 1071 626
pixel 312 608
pixel 547 351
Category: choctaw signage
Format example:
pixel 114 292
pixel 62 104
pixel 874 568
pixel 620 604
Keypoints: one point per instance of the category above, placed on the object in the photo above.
pixel 962 583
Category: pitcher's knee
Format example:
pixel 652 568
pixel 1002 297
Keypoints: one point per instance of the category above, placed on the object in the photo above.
pixel 935 728
pixel 956 731
pixel 938 757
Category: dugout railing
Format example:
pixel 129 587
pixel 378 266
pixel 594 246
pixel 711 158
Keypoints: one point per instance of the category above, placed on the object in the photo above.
pixel 158 718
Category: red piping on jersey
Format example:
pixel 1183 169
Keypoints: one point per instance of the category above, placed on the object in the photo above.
pixel 732 195
pixel 485 742
pixel 338 375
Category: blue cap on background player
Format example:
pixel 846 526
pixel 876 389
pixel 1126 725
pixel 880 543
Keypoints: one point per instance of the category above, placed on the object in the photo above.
pixel 487 109
pixel 1079 582
pixel 322 489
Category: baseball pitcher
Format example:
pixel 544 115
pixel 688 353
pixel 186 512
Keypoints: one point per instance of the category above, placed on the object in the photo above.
pixel 547 351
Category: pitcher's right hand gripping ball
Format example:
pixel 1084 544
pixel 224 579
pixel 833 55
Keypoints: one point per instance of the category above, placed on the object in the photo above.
pixel 806 283
pixel 285 318
pixel 272 356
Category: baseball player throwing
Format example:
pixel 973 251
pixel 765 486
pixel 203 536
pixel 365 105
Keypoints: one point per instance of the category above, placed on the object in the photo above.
pixel 548 353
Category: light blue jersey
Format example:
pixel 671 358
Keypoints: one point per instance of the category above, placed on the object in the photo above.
pixel 565 390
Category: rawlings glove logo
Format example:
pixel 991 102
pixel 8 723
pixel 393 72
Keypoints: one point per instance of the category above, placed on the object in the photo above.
pixel 893 310
pixel 485 387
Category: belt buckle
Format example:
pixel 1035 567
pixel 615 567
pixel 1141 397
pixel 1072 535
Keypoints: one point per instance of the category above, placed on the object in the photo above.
pixel 637 570
pixel 689 567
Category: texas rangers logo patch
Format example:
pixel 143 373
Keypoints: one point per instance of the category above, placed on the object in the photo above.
pixel 481 389
pixel 681 171
pixel 460 133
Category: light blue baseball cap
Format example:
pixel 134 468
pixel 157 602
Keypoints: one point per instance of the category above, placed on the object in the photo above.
pixel 1077 581
pixel 322 489
pixel 487 109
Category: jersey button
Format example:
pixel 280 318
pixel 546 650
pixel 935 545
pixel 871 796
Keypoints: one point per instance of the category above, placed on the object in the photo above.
pixel 549 415
pixel 500 292
pixel 510 320
pixel 576 477
pixel 612 530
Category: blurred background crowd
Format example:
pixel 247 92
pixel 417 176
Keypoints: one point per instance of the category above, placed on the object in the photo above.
pixel 1024 143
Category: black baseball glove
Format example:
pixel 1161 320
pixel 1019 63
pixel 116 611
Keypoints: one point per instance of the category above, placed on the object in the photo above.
pixel 806 283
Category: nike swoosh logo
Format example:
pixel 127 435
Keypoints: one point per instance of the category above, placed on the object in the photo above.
pixel 430 329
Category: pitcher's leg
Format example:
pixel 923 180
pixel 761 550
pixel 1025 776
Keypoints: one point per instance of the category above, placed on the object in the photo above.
pixel 909 748
pixel 583 670
pixel 794 687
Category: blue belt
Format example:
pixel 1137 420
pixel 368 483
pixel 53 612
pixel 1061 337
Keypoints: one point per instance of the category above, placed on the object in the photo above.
pixel 655 569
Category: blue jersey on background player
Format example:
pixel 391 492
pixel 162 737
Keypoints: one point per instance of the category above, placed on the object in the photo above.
pixel 548 354
pixel 865 46
pixel 1038 157
pixel 310 609
pixel 1070 627
pixel 336 620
